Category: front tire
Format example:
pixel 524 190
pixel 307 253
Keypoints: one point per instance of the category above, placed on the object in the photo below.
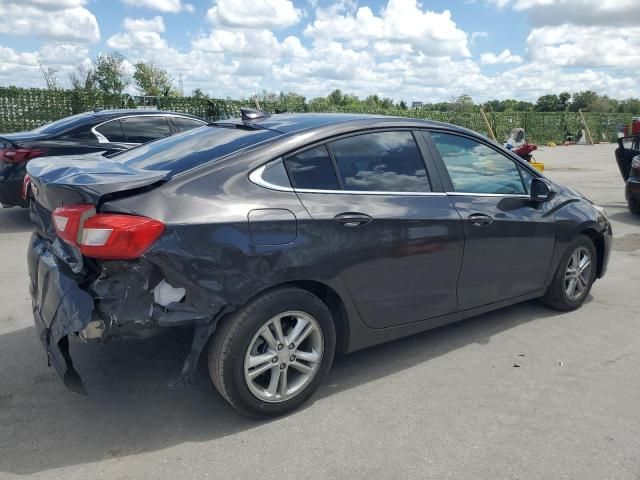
pixel 634 206
pixel 574 277
pixel 269 357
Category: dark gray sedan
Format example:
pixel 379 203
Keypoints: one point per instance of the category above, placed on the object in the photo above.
pixel 285 239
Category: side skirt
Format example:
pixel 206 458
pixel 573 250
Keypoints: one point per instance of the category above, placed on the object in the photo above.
pixel 362 336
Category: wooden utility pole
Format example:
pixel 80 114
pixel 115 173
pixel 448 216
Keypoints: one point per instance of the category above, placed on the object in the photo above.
pixel 487 124
pixel 586 127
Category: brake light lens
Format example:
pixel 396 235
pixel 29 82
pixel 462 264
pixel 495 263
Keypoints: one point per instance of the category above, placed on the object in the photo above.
pixel 107 236
pixel 25 186
pixel 20 155
pixel 122 237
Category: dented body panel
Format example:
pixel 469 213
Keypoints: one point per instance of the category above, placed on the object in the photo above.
pixel 227 240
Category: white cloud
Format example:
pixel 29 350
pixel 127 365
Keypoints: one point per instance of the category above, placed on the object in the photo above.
pixel 65 20
pixel 155 24
pixel 140 35
pixel 167 6
pixel 274 14
pixel 502 58
pixel 23 68
pixel 586 46
pixel 579 12
pixel 400 22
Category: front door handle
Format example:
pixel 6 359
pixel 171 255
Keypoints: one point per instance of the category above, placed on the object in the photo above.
pixel 480 220
pixel 351 219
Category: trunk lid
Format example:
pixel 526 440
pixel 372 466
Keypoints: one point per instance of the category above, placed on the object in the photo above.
pixel 85 179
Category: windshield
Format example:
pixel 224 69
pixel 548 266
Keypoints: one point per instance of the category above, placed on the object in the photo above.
pixel 187 150
pixel 61 125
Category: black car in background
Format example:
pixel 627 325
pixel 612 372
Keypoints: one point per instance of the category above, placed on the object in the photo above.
pixel 106 132
pixel 628 159
pixel 285 239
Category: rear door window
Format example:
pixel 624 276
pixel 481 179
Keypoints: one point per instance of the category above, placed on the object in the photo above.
pixel 112 131
pixel 143 129
pixel 183 124
pixel 381 162
pixel 312 169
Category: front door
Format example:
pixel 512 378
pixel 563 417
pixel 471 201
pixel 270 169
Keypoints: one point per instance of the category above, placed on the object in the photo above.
pixel 397 244
pixel 509 239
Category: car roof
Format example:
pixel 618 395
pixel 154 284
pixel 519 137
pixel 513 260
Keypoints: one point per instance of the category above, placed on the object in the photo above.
pixel 297 122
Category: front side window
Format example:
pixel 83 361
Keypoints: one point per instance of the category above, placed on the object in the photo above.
pixel 381 162
pixel 312 169
pixel 143 129
pixel 477 168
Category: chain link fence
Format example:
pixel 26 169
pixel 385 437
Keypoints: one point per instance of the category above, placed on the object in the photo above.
pixel 25 109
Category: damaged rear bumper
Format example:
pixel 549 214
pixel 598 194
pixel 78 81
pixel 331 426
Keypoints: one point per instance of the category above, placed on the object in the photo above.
pixel 60 307
pixel 112 299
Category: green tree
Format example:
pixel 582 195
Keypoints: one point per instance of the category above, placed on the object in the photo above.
pixel 582 100
pixel 463 103
pixel 111 75
pixel 84 79
pixel 565 98
pixel 153 81
pixel 630 105
pixel 549 103
pixel 335 97
pixel 402 105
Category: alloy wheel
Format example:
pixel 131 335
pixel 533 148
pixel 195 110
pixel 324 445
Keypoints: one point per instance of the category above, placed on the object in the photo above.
pixel 578 274
pixel 284 356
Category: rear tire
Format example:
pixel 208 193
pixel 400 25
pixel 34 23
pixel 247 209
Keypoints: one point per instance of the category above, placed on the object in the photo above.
pixel 574 277
pixel 634 206
pixel 270 356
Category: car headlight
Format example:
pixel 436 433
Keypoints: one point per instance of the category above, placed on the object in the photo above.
pixel 601 210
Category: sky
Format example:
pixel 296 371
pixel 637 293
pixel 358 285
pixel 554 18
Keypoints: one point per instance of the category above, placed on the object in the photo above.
pixel 408 50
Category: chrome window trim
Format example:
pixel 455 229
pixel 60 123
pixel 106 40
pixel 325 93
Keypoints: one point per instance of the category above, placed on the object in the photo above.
pixel 471 194
pixel 373 192
pixel 256 177
pixel 102 139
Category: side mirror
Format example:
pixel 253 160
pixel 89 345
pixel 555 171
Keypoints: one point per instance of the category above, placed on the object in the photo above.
pixel 541 190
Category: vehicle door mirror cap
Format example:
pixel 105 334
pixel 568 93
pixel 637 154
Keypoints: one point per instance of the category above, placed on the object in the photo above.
pixel 541 190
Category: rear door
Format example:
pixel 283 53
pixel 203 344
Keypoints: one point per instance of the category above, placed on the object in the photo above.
pixel 145 128
pixel 387 224
pixel 628 147
pixel 509 240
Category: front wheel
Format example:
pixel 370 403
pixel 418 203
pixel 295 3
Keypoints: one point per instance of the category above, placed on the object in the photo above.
pixel 634 206
pixel 271 356
pixel 574 277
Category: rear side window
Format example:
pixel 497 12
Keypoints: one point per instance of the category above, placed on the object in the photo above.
pixel 183 124
pixel 312 169
pixel 143 129
pixel 196 147
pixel 112 131
pixel 383 162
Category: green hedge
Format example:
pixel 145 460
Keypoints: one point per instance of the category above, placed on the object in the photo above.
pixel 24 109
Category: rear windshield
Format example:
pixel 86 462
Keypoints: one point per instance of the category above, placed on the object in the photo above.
pixel 61 125
pixel 187 150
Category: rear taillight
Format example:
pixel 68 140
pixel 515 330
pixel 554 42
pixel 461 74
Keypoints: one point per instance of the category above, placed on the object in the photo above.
pixel 24 192
pixel 20 155
pixel 108 236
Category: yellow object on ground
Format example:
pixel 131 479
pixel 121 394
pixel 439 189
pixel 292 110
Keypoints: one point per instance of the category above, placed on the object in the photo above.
pixel 538 165
pixel 551 144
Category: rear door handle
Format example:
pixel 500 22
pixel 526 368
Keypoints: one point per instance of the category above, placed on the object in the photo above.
pixel 351 219
pixel 480 220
